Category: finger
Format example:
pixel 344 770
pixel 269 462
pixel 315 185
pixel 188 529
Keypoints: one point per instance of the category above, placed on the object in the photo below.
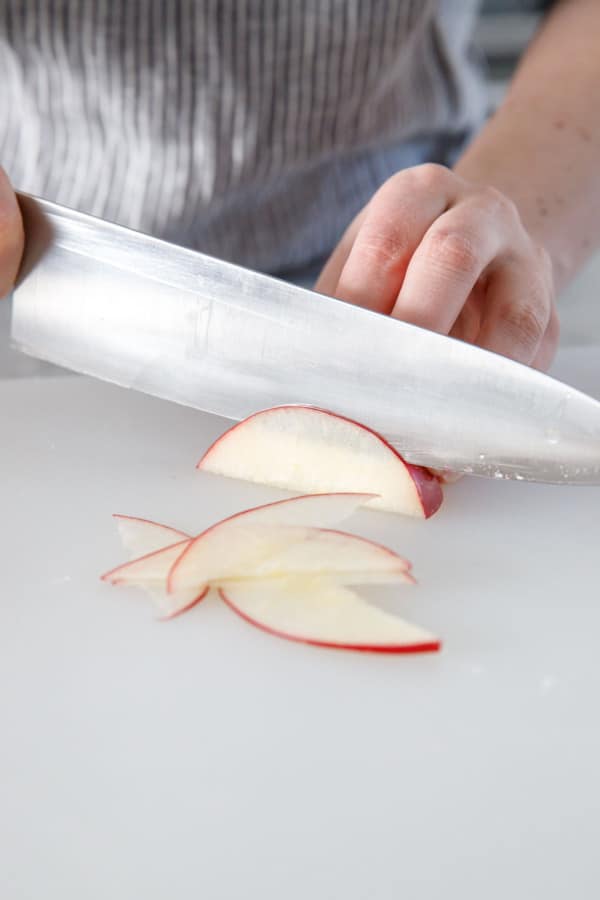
pixel 547 349
pixel 395 221
pixel 468 325
pixel 517 312
pixel 449 261
pixel 11 235
pixel 330 274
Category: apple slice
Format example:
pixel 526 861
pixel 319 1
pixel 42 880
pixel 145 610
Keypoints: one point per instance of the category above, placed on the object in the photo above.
pixel 151 567
pixel 152 577
pixel 321 612
pixel 142 536
pixel 232 549
pixel 239 548
pixel 312 450
pixel 151 570
pixel 216 553
pixel 345 558
pixel 314 510
pixel 171 605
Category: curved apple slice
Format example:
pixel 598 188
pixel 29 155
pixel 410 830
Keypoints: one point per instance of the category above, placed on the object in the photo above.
pixel 232 549
pixel 235 546
pixel 345 558
pixel 172 605
pixel 142 536
pixel 150 572
pixel 312 450
pixel 314 510
pixel 151 567
pixel 318 611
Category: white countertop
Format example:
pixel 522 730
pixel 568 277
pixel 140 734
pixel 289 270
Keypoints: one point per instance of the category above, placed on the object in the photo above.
pixel 204 759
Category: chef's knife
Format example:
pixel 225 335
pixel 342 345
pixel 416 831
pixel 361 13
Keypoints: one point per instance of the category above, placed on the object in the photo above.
pixel 142 313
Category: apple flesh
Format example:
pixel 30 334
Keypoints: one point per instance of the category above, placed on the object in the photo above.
pixel 142 536
pixel 312 450
pixel 236 551
pixel 237 545
pixel 152 567
pixel 321 612
pixel 347 558
pixel 161 544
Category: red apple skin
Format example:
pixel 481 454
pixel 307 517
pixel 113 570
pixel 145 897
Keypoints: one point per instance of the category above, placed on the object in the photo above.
pixel 181 534
pixel 427 484
pixel 428 487
pixel 357 537
pixel 428 647
pixel 188 606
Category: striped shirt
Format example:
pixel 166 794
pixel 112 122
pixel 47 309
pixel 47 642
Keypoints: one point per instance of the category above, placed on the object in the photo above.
pixel 253 130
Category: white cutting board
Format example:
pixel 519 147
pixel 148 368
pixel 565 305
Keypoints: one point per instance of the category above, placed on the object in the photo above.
pixel 204 759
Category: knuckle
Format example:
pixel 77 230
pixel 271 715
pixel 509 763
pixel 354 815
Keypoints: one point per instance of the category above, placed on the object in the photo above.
pixel 382 244
pixel 424 178
pixel 454 251
pixel 429 176
pixel 526 323
pixel 500 204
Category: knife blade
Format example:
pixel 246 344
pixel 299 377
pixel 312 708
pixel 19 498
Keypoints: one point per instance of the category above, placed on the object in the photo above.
pixel 145 314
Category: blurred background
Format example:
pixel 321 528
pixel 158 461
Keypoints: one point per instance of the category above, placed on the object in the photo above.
pixel 504 29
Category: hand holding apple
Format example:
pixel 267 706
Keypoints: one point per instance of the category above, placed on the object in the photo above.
pixel 11 235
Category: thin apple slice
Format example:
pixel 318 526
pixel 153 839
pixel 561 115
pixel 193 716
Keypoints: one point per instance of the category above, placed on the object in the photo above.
pixel 171 605
pixel 314 510
pixel 150 572
pixel 142 536
pixel 232 549
pixel 151 567
pixel 217 553
pixel 346 558
pixel 318 611
pixel 312 450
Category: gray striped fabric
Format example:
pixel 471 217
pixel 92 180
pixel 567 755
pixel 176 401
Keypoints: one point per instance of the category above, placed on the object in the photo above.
pixel 251 129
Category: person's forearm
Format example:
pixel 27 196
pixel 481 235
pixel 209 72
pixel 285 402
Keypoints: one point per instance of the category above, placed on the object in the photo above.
pixel 542 147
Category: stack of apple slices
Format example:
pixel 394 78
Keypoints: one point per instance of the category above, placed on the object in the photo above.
pixel 282 567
